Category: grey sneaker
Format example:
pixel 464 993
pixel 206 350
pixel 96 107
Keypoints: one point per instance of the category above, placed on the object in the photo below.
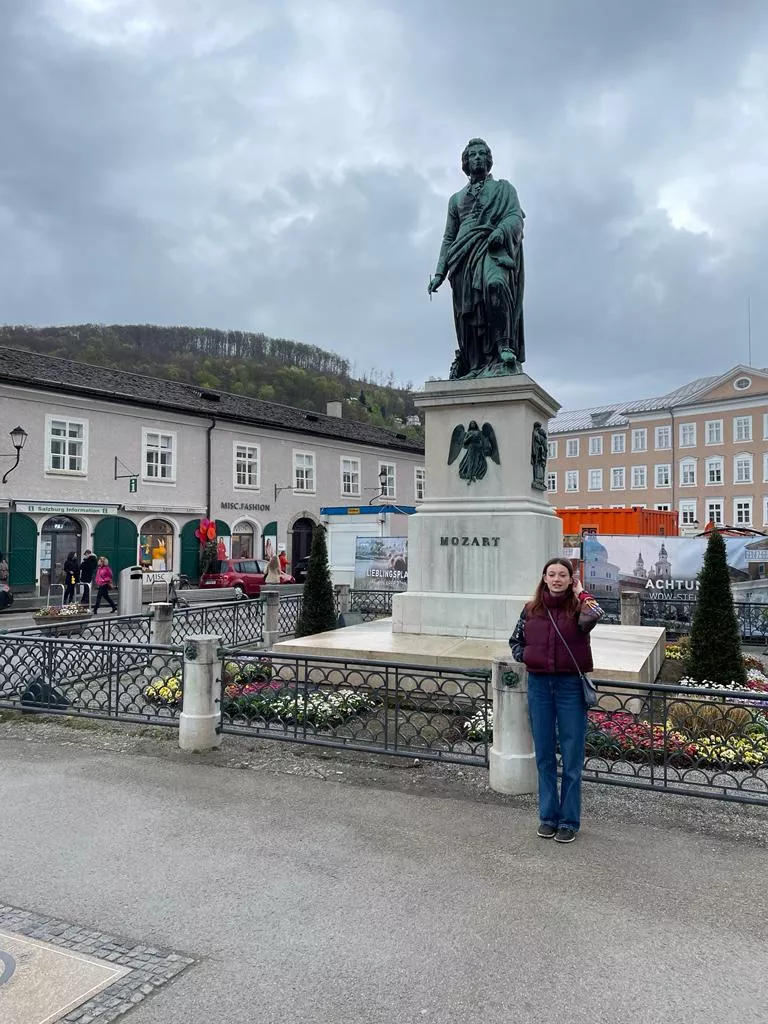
pixel 546 831
pixel 565 835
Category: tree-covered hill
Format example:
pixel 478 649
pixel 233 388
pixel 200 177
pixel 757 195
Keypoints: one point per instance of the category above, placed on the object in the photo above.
pixel 273 369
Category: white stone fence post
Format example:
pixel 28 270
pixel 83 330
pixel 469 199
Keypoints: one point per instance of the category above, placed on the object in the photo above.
pixel 271 618
pixel 512 760
pixel 200 716
pixel 160 624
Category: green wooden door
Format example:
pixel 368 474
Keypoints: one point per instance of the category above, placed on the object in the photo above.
pixel 190 546
pixel 117 538
pixel 18 542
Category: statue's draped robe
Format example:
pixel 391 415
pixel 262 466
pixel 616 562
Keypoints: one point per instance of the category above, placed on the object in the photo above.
pixel 487 284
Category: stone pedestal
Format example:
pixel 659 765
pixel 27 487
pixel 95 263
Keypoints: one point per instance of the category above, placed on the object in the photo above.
pixel 475 550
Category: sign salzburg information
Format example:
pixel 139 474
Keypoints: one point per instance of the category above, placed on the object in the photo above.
pixel 64 509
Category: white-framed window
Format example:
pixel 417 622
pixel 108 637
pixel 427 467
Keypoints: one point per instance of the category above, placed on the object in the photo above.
pixel 742 469
pixel 713 471
pixel 639 439
pixel 304 471
pixel 663 475
pixel 572 448
pixel 596 445
pixel 687 513
pixel 663 506
pixel 765 466
pixel 765 511
pixel 715 511
pixel 765 426
pixel 742 384
pixel 663 438
pixel 388 488
pixel 742 511
pixel 639 477
pixel 572 480
pixel 419 482
pixel 350 477
pixel 688 473
pixel 687 435
pixel 247 458
pixel 618 444
pixel 159 456
pixel 742 429
pixel 551 449
pixel 551 481
pixel 618 477
pixel 66 445
pixel 713 432
pixel 595 482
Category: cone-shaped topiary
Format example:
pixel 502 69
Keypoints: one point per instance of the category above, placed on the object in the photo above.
pixel 318 609
pixel 208 557
pixel 715 652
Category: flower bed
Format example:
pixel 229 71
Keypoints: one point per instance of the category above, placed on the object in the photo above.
pixel 164 692
pixel 56 613
pixel 269 701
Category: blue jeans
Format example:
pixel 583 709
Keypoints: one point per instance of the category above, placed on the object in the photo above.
pixel 558 714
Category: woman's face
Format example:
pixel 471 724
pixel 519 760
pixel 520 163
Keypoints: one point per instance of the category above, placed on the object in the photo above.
pixel 557 578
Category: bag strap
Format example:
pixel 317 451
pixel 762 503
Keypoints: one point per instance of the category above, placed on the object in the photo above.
pixel 565 644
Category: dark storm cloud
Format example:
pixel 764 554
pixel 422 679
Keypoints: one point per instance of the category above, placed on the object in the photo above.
pixel 286 168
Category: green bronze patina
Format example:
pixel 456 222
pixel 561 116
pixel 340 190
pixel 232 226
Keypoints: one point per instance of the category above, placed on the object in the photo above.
pixel 539 451
pixel 510 678
pixel 482 257
pixel 479 445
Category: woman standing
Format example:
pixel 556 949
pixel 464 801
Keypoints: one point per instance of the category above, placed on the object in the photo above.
pixel 273 570
pixel 71 576
pixel 103 582
pixel 551 638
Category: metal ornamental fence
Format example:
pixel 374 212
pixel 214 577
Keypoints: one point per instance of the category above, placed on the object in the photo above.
pixel 409 710
pixel 236 622
pixel 710 743
pixel 677 617
pixel 132 682
pixel 371 604
pixel 288 613
pixel 101 629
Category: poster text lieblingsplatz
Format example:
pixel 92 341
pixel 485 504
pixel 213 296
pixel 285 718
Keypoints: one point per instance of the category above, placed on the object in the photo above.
pixel 381 563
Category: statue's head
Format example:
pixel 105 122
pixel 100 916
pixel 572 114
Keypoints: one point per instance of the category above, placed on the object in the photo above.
pixel 474 151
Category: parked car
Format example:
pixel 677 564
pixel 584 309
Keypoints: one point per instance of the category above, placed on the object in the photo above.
pixel 300 570
pixel 246 575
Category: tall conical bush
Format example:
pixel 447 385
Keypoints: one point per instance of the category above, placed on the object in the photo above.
pixel 715 652
pixel 318 610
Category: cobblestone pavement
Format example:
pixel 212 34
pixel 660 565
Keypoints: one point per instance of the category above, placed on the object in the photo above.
pixel 325 886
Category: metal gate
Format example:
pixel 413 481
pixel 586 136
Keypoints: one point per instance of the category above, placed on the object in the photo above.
pixel 440 714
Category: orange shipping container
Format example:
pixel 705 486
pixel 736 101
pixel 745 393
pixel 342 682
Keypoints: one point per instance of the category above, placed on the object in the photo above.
pixel 636 522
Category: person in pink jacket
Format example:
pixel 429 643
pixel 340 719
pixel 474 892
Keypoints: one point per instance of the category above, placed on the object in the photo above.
pixel 103 582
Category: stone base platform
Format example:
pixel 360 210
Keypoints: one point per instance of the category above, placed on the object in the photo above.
pixel 627 653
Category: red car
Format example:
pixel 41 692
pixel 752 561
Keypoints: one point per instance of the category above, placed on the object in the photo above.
pixel 246 575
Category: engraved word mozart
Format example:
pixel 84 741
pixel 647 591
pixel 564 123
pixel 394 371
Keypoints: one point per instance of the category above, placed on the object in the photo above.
pixel 470 542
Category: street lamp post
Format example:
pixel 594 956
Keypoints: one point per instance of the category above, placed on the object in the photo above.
pixel 18 440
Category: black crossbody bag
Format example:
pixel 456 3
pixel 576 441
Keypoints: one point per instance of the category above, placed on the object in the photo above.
pixel 590 693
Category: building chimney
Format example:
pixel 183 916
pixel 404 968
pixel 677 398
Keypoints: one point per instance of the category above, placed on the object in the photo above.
pixel 333 409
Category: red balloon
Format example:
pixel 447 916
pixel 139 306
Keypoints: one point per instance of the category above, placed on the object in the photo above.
pixel 211 533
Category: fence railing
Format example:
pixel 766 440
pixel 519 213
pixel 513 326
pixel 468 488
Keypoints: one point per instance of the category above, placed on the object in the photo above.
pixel 410 710
pixel 288 613
pixel 102 629
pixel 236 622
pixel 677 617
pixel 686 740
pixel 93 679
pixel 371 604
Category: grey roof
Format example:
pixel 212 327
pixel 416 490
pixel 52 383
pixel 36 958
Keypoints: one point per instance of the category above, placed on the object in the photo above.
pixel 617 415
pixel 51 373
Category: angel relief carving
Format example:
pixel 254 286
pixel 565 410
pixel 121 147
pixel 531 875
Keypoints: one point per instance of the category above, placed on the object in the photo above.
pixel 479 445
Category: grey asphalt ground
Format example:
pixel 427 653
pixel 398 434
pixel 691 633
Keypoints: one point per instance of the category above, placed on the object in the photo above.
pixel 321 888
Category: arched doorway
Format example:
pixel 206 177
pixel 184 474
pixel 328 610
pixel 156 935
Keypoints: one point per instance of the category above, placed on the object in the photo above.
pixel 301 539
pixel 190 546
pixel 116 538
pixel 18 542
pixel 244 539
pixel 59 536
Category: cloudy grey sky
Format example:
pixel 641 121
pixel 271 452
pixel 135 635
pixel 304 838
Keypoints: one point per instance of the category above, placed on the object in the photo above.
pixel 284 166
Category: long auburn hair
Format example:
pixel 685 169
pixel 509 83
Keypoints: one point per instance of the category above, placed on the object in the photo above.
pixel 536 605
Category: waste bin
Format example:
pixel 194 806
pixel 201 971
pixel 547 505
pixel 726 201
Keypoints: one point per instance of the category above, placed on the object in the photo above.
pixel 130 593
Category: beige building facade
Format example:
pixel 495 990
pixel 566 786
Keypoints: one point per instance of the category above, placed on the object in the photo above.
pixel 701 450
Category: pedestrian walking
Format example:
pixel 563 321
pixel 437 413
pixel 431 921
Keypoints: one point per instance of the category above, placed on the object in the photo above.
pixel 283 560
pixel 88 568
pixel 71 576
pixel 3 569
pixel 273 570
pixel 103 582
pixel 551 638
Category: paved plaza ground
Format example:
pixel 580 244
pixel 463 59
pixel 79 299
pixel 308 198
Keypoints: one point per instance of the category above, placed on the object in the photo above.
pixel 319 887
